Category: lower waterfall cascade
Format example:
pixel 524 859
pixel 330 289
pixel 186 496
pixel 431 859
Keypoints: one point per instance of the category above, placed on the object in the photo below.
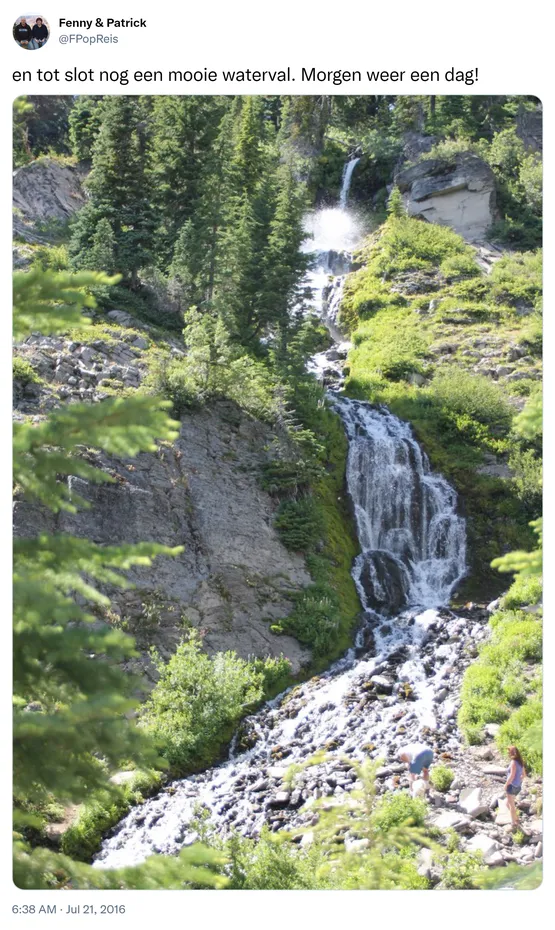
pixel 397 683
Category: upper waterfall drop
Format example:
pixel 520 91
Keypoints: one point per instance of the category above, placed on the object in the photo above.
pixel 346 182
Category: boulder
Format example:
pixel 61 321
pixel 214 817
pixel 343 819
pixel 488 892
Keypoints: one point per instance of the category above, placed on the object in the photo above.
pixel 472 802
pixel 459 192
pixel 425 860
pixel 499 770
pixel 483 843
pixel 451 820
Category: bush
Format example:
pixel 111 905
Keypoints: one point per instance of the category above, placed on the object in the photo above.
pixel 515 730
pixel 272 863
pixel 197 702
pixel 525 589
pixel 441 777
pixel 517 277
pixel 462 869
pixel 397 808
pixel 23 371
pixel 50 258
pixel 460 265
pixel 299 524
pixel 472 395
pixel 315 618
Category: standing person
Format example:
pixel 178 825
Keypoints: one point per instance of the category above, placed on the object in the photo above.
pixel 40 32
pixel 515 774
pixel 418 757
pixel 22 32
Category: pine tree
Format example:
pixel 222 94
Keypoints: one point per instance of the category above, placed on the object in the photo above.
pixel 285 263
pixel 119 191
pixel 182 155
pixel 395 204
pixel 85 120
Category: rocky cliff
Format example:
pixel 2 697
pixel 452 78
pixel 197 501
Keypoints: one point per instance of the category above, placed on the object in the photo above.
pixel 45 192
pixel 459 192
pixel 234 577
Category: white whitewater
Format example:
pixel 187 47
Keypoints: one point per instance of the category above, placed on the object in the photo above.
pixel 413 542
pixel 413 555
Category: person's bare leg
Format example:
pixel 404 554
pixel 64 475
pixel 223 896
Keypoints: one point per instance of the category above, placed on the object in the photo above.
pixel 426 777
pixel 512 809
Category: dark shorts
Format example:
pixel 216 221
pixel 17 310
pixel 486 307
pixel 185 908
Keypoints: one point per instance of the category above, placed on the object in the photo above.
pixel 513 789
pixel 422 761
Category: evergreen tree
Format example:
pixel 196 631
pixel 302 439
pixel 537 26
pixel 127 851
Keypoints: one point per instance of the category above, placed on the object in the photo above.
pixel 395 203
pixel 182 155
pixel 119 191
pixel 85 119
pixel 285 263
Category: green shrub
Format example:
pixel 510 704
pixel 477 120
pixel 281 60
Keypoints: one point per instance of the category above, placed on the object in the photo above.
pixel 515 730
pixel 460 265
pixel 403 874
pixel 299 524
pixel 525 589
pixel 315 618
pixel 528 477
pixel 472 395
pixel 441 777
pixel 50 258
pixel 452 840
pixel 197 702
pixel 516 277
pixel 462 869
pixel 391 345
pixel 272 863
pixel 23 371
pixel 397 808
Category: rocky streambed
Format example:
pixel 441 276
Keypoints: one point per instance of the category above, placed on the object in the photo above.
pixel 399 684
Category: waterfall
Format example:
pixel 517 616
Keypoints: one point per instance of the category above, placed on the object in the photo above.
pixel 412 540
pixel 332 235
pixel 412 556
pixel 346 182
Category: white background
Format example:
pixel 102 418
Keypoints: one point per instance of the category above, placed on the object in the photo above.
pixel 511 44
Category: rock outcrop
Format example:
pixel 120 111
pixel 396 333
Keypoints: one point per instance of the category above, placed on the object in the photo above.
pixel 45 191
pixel 234 576
pixel 459 193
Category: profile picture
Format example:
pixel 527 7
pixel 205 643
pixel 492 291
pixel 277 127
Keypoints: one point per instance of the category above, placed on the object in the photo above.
pixel 31 31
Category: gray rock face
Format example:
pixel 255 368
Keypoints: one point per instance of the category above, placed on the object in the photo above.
pixel 459 193
pixel 234 576
pixel 45 190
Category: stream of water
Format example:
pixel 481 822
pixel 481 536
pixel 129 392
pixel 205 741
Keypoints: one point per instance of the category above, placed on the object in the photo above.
pixel 398 680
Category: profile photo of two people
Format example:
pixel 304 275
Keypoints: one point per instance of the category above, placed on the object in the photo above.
pixel 31 31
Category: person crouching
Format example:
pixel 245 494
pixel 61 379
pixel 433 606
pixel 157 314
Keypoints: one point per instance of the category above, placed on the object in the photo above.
pixel 419 758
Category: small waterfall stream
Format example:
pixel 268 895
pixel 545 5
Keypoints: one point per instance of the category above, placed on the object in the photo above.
pixel 393 685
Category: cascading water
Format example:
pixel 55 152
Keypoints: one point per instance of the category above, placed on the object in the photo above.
pixel 332 234
pixel 413 543
pixel 390 688
pixel 346 182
